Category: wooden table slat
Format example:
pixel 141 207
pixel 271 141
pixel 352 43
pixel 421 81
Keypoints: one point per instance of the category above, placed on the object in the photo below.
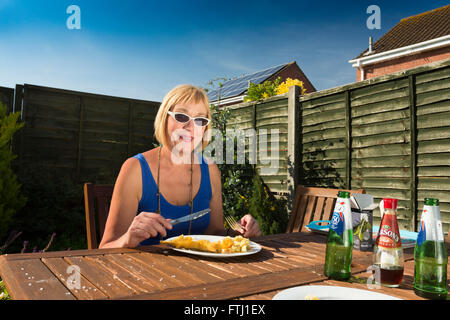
pixel 199 266
pixel 102 278
pixel 31 279
pixel 235 288
pixel 83 290
pixel 123 272
pixel 147 273
pixel 168 271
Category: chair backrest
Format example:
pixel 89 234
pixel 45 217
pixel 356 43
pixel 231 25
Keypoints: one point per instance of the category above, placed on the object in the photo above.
pixel 448 236
pixel 97 199
pixel 313 204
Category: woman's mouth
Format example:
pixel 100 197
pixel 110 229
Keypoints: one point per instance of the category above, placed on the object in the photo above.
pixel 187 138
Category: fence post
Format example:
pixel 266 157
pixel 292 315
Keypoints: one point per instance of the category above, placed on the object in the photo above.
pixel 293 158
pixel 413 144
pixel 80 135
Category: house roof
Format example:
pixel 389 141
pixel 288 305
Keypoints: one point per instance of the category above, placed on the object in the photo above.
pixel 415 29
pixel 239 86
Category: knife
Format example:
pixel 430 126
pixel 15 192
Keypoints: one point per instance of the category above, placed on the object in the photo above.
pixel 193 216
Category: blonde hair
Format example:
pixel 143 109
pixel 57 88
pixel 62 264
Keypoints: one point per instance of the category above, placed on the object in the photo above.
pixel 184 93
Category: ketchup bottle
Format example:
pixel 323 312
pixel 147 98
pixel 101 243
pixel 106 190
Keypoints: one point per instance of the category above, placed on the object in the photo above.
pixel 388 251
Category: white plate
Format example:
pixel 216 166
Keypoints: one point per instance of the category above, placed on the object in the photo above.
pixel 330 293
pixel 254 247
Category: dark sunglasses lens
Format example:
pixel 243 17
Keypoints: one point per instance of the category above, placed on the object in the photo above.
pixel 201 122
pixel 181 117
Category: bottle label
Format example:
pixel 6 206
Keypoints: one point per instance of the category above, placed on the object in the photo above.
pixel 337 222
pixel 389 236
pixel 430 227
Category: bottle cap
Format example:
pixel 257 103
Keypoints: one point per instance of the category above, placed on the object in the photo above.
pixel 431 201
pixel 343 194
pixel 390 203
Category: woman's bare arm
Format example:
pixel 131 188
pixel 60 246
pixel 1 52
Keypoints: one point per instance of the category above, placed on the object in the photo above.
pixel 124 204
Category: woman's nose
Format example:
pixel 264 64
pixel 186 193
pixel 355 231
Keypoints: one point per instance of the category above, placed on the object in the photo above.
pixel 189 124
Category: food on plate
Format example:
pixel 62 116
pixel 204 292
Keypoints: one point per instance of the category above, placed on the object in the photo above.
pixel 225 245
pixel 311 297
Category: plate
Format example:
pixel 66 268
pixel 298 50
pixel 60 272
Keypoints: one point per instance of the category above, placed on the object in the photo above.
pixel 408 237
pixel 254 247
pixel 330 293
pixel 319 226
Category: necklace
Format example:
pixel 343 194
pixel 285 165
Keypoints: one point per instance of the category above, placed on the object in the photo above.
pixel 158 194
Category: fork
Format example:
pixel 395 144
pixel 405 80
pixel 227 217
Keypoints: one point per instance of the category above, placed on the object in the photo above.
pixel 233 223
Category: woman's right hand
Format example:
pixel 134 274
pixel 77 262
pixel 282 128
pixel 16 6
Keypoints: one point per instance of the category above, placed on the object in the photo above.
pixel 146 225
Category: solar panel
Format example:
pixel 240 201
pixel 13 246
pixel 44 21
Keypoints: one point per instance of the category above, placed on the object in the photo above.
pixel 238 86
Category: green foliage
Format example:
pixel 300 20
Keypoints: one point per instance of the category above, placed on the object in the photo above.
pixel 3 293
pixel 270 212
pixel 243 190
pixel 55 205
pixel 11 199
pixel 257 92
pixel 235 177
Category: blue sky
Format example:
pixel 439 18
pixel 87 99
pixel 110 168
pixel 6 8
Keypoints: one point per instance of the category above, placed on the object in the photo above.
pixel 141 49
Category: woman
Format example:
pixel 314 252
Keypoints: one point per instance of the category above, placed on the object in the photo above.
pixel 171 181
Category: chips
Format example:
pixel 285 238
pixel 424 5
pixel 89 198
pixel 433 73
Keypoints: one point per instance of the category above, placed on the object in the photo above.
pixel 226 245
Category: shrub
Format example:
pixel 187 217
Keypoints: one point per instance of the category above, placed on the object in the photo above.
pixel 257 92
pixel 284 86
pixel 261 91
pixel 243 190
pixel 11 199
pixel 55 205
pixel 270 211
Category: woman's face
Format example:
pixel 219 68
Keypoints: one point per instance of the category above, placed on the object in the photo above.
pixel 185 137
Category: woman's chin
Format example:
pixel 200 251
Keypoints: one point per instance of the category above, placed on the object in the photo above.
pixel 184 146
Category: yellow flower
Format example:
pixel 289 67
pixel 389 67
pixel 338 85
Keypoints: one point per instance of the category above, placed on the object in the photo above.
pixel 284 87
pixel 273 208
pixel 265 95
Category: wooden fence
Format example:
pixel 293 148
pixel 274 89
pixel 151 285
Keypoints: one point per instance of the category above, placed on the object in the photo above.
pixel 263 118
pixel 86 136
pixel 7 98
pixel 389 135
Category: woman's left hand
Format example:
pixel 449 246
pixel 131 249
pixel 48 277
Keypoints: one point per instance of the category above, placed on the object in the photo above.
pixel 249 226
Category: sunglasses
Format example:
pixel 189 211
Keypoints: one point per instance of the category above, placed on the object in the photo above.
pixel 184 118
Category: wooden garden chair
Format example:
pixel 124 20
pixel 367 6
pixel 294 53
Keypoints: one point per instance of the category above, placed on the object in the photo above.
pixel 97 199
pixel 313 204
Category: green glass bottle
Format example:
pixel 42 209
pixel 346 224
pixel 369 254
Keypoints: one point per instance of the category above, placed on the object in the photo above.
pixel 338 257
pixel 430 254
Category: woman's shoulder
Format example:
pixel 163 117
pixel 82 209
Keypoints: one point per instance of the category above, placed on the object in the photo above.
pixel 133 163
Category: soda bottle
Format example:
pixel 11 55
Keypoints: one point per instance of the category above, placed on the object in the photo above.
pixel 340 240
pixel 388 251
pixel 430 254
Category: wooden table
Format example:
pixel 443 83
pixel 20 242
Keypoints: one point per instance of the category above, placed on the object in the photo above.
pixel 157 272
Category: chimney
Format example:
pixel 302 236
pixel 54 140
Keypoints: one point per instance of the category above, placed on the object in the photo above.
pixel 370 45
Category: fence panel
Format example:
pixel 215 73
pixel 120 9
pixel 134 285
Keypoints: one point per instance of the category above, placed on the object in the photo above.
pixel 7 98
pixel 269 120
pixel 381 153
pixel 398 127
pixel 83 135
pixel 323 135
pixel 433 140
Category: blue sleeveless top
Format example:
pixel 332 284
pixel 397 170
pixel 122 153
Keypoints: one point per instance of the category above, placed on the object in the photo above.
pixel 149 202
